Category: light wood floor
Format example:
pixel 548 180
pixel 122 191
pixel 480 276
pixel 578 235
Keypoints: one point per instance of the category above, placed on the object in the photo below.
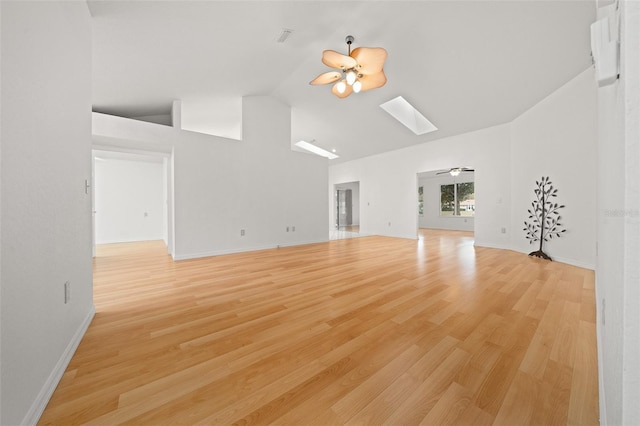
pixel 368 330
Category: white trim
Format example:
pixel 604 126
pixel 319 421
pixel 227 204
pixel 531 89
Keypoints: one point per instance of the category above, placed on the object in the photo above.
pixel 41 401
pixel 602 400
pixel 574 262
pixel 566 260
pixel 414 237
pixel 243 250
pixel 404 236
pixel 499 246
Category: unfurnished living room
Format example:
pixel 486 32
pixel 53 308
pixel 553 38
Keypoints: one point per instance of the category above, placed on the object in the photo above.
pixel 320 212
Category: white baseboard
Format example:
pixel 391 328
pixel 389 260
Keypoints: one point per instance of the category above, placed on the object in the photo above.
pixel 602 400
pixel 38 406
pixel 303 243
pixel 243 250
pixel 574 262
pixel 501 246
pixel 568 261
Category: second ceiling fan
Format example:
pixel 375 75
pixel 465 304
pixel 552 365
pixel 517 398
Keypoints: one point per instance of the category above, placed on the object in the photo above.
pixel 455 171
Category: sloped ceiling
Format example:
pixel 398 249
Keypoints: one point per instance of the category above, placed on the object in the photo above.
pixel 465 65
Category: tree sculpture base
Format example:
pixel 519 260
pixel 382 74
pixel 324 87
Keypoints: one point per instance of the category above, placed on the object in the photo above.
pixel 540 254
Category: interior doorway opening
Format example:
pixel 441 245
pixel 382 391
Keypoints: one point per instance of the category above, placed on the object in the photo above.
pixel 346 210
pixel 132 198
pixel 446 200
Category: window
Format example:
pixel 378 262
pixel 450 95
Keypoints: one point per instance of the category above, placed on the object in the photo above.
pixel 420 201
pixel 457 199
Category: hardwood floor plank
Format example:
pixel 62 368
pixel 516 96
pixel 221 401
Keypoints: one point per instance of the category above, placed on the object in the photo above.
pixel 449 407
pixel 415 408
pixel 539 350
pixel 514 343
pixel 475 416
pixel 369 330
pixel 552 406
pixel 564 345
pixel 379 408
pixel 519 402
pixel 583 404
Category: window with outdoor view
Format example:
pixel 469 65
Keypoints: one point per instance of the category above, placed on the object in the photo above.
pixel 420 201
pixel 457 199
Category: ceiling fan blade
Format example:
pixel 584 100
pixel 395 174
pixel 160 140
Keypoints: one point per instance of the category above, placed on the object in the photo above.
pixel 333 59
pixel 442 173
pixel 326 78
pixel 370 59
pixel 347 91
pixel 372 81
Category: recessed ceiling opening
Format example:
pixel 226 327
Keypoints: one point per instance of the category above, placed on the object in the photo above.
pixel 316 150
pixel 405 113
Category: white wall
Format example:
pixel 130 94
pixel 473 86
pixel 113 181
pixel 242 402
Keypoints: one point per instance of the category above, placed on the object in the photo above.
pixel 1 218
pixel 167 202
pixel 46 214
pixel 222 186
pixel 388 184
pixel 130 201
pixel 431 196
pixel 557 138
pixel 218 116
pixel 164 119
pixel 260 185
pixel 618 223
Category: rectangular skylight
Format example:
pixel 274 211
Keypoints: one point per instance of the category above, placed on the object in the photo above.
pixel 405 113
pixel 315 149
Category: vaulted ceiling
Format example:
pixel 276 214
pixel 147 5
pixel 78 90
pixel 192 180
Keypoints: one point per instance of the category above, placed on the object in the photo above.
pixel 465 65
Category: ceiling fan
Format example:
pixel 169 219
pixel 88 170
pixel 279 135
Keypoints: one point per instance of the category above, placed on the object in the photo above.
pixel 360 70
pixel 455 171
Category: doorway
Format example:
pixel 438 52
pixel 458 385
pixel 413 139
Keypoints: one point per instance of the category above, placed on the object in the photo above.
pixel 132 197
pixel 345 210
pixel 445 201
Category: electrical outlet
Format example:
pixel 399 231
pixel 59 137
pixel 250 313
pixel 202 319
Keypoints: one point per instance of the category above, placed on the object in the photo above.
pixel 503 230
pixel 67 292
pixel 389 223
pixel 293 229
pixel 287 229
pixel 242 232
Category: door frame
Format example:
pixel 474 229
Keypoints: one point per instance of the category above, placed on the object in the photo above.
pixel 131 154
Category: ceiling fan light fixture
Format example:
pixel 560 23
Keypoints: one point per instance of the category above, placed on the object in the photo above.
pixel 361 69
pixel 351 77
pixel 454 172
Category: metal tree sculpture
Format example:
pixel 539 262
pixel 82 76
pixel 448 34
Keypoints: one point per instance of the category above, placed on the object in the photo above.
pixel 544 217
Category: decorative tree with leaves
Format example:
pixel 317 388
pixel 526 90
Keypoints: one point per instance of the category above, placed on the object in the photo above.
pixel 544 218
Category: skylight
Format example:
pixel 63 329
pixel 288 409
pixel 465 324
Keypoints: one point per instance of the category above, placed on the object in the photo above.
pixel 315 149
pixel 405 113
